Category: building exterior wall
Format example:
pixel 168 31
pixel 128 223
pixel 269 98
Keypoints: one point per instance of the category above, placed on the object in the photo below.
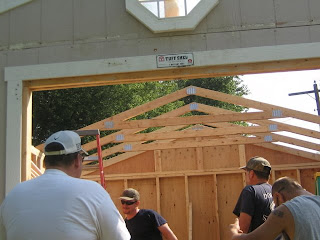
pixel 45 32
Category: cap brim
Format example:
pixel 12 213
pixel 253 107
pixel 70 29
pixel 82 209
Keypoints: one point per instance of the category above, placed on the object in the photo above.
pixel 126 198
pixel 243 168
pixel 85 152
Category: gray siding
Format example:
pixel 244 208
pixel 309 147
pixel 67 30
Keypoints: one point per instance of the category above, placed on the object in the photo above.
pixel 52 31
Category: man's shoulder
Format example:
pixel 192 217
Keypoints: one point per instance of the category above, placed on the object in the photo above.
pixel 144 210
pixel 256 188
pixel 87 185
pixel 148 212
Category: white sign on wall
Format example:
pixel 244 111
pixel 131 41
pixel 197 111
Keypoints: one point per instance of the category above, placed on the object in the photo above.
pixel 175 60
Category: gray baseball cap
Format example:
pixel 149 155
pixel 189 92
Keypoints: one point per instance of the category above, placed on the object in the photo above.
pixel 130 194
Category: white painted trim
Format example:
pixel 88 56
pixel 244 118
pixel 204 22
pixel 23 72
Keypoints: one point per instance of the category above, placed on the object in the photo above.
pixel 6 5
pixel 13 134
pixel 158 25
pixel 147 63
pixel 16 75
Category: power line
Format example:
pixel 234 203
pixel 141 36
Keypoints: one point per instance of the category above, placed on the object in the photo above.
pixel 316 93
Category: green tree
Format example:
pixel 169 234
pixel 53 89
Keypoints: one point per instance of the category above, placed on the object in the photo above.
pixel 76 108
pixel 230 85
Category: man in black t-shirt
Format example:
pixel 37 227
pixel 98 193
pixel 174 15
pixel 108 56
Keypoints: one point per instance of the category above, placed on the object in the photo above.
pixel 255 202
pixel 143 224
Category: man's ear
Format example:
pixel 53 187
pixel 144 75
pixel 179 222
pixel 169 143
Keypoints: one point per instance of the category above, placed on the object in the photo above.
pixel 281 198
pixel 251 174
pixel 77 162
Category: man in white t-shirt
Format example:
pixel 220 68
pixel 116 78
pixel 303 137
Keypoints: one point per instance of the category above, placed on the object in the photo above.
pixel 59 205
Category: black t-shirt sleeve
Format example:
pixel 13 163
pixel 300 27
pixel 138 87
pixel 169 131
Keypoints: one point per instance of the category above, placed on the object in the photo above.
pixel 245 202
pixel 157 219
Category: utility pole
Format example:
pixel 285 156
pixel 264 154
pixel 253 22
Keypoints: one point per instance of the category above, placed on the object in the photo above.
pixel 316 93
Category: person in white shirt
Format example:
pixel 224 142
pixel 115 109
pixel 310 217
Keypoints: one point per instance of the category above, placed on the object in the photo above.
pixel 59 205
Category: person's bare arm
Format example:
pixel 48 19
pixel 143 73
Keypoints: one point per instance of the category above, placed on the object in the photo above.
pixel 167 232
pixel 279 220
pixel 244 222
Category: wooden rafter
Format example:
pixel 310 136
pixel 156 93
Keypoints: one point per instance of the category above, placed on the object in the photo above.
pixel 220 130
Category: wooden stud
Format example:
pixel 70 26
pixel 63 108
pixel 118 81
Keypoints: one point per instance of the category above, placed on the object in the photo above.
pixel 199 156
pixel 216 203
pixel 299 176
pixel 157 161
pixel 190 222
pixel 273 176
pixel 187 201
pixel 125 183
pixel 158 195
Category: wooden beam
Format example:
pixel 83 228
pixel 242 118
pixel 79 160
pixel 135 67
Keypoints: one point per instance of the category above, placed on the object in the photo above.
pixel 296 142
pixel 200 173
pixel 157 161
pixel 174 74
pixel 216 203
pixel 290 128
pixel 193 144
pixel 199 156
pixel 255 104
pixel 199 132
pixel 290 150
pixel 203 119
pixel 281 126
pixel 158 195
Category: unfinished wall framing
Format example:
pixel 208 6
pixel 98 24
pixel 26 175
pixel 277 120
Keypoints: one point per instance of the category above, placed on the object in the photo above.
pixel 192 176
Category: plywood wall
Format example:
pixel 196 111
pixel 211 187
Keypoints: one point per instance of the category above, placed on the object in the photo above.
pixel 196 189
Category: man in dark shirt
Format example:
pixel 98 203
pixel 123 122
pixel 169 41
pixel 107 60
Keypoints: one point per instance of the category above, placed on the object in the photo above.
pixel 255 202
pixel 143 224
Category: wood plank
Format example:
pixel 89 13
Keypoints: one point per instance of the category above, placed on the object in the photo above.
pixel 242 155
pixel 109 138
pixel 242 161
pixel 158 195
pixel 203 119
pixel 206 172
pixel 139 109
pixel 199 156
pixel 281 126
pixel 216 206
pixel 173 207
pixel 35 169
pixel 188 144
pixel 255 104
pixel 147 190
pixel 308 180
pixel 202 198
pixel 157 159
pixel 190 222
pixel 229 188
pixel 290 150
pixel 296 142
pixel 298 175
pixel 290 128
pixel 174 74
pixel 198 132
pixel 188 203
